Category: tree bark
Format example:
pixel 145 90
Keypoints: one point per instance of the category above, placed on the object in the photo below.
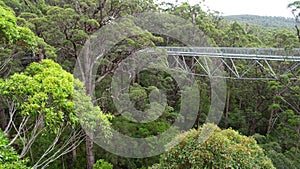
pixel 41 56
pixel 227 106
pixel 74 155
pixel 88 63
pixel 252 127
pixel 90 156
pixel 3 121
pixel 298 32
pixel 270 122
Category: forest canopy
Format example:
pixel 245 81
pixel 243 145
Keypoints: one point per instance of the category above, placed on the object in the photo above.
pixel 48 115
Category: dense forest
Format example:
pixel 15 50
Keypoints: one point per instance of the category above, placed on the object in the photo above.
pixel 264 21
pixel 51 117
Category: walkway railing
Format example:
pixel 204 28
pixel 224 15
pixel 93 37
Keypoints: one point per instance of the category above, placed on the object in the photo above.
pixel 239 63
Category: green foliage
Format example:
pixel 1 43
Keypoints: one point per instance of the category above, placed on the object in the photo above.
pixel 223 149
pixel 285 39
pixel 237 36
pixel 18 41
pixel 9 158
pixel 101 164
pixel 274 151
pixel 264 21
pixel 8 27
pixel 90 117
pixel 45 89
pixel 11 33
pixel 42 89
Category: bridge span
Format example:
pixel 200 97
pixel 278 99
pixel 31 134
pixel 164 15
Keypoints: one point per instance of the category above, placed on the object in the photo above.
pixel 239 63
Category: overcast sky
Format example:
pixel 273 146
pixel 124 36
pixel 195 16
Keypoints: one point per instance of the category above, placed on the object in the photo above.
pixel 254 7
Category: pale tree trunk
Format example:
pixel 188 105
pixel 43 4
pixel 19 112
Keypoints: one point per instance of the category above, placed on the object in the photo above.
pixel 89 140
pixel 90 156
pixel 227 106
pixel 270 122
pixel 85 67
pixel 271 119
pixel 41 56
pixel 228 100
pixel 74 154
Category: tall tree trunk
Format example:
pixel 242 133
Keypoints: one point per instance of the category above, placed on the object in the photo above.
pixel 228 99
pixel 41 56
pixel 88 65
pixel 84 72
pixel 252 127
pixel 89 140
pixel 3 121
pixel 90 156
pixel 193 67
pixel 227 106
pixel 74 153
pixel 270 122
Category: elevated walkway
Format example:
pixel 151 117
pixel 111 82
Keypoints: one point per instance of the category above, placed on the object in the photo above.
pixel 239 63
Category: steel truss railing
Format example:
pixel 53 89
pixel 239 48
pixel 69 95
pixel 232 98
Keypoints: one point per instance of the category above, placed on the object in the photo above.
pixel 239 63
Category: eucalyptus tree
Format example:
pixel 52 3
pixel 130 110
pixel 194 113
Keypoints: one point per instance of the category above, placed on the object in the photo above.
pixel 45 101
pixel 223 149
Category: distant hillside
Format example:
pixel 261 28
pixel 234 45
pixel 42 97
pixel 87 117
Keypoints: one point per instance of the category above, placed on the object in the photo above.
pixel 265 21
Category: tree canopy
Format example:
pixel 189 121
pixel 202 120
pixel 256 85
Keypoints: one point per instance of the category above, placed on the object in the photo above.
pixel 223 149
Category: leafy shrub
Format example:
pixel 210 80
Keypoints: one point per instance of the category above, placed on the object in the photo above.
pixel 101 164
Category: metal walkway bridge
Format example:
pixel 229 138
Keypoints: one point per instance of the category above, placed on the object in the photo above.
pixel 239 63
